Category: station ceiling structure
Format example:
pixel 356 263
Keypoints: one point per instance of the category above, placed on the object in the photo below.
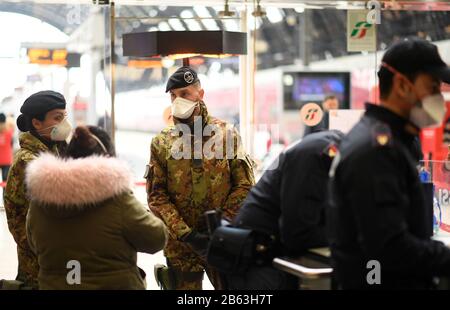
pixel 278 33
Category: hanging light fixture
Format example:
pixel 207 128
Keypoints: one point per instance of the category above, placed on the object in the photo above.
pixel 184 44
pixel 226 11
pixel 259 12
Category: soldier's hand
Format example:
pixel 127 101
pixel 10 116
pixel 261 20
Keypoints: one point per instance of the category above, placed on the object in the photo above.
pixel 198 242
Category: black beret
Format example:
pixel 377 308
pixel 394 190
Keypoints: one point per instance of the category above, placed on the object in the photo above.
pixel 39 104
pixel 183 77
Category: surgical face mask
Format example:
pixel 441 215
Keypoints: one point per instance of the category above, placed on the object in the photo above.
pixel 430 112
pixel 61 131
pixel 183 108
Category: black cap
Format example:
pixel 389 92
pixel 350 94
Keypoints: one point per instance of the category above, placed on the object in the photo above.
pixel 415 55
pixel 39 104
pixel 183 77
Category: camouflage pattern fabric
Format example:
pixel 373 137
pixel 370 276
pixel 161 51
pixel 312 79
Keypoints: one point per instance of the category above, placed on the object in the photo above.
pixel 16 205
pixel 181 190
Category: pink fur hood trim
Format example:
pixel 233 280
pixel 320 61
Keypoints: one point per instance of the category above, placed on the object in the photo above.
pixel 76 182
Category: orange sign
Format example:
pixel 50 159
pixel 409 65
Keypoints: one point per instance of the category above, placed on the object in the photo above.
pixel 59 57
pixel 141 63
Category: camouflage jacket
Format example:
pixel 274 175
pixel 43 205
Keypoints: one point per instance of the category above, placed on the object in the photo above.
pixel 16 204
pixel 181 190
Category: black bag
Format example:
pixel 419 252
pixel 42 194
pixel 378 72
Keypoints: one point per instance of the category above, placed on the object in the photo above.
pixel 231 249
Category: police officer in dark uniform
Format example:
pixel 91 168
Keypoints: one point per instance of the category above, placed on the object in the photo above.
pixel 379 228
pixel 286 208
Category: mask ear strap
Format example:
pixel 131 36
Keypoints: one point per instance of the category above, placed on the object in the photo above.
pixel 53 126
pixel 390 68
pixel 395 71
pixel 99 142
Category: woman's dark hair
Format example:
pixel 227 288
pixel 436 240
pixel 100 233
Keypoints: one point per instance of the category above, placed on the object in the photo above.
pixel 25 122
pixel 84 142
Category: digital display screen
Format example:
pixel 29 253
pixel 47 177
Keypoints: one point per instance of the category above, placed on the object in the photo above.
pixel 304 87
pixel 61 57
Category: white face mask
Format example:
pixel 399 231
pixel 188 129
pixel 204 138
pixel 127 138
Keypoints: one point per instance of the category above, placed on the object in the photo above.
pixel 183 108
pixel 430 113
pixel 60 132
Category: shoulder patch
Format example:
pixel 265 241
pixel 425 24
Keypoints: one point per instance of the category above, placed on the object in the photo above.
pixel 381 135
pixel 331 150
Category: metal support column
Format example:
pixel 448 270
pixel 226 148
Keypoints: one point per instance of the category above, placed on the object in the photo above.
pixel 243 89
pixel 305 41
pixel 247 68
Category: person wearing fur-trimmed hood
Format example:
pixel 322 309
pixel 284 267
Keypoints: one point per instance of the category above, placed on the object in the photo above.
pixel 83 216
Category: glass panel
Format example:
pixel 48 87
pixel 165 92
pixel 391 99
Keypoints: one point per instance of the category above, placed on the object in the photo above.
pixel 438 173
pixel 304 57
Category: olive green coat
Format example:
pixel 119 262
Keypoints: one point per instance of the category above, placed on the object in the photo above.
pixel 84 215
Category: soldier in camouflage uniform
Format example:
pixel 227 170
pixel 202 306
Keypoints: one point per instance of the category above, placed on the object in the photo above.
pixel 180 190
pixel 43 124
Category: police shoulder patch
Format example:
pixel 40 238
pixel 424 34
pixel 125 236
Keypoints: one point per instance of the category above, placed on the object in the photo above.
pixel 331 150
pixel 381 135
